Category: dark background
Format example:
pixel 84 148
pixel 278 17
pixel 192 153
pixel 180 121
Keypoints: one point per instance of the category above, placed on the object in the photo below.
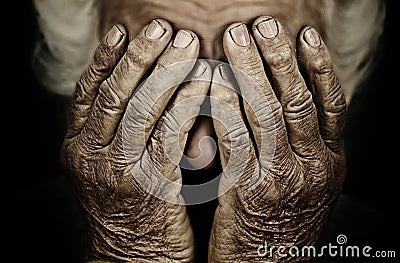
pixel 43 221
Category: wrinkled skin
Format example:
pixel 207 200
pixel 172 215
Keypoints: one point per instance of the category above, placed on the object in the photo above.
pixel 105 159
pixel 298 185
pixel 295 192
pixel 209 19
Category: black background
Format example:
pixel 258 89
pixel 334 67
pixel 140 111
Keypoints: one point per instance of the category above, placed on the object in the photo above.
pixel 43 221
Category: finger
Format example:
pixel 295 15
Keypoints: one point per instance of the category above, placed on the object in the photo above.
pixel 171 70
pixel 298 108
pixel 234 142
pixel 263 110
pixel 167 142
pixel 106 57
pixel 325 86
pixel 115 92
pixel 150 100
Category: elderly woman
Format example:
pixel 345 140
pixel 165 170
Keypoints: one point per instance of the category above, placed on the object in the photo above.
pixel 277 111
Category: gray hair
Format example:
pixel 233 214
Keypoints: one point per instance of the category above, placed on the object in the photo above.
pixel 69 38
pixel 70 35
pixel 353 29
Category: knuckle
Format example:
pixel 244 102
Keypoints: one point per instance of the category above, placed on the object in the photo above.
pixel 264 107
pixel 170 123
pixel 223 93
pixel 326 76
pixel 80 89
pixel 185 92
pixel 108 97
pixel 165 71
pixel 135 114
pixel 276 109
pixel 333 99
pixel 253 66
pixel 103 50
pixel 280 58
pixel 102 63
pixel 335 104
pixel 100 66
pixel 267 115
pixel 75 153
pixel 339 101
pixel 237 136
pixel 300 101
pixel 157 150
pixel 84 87
pixel 228 96
pixel 138 54
pixel 322 65
pixel 336 90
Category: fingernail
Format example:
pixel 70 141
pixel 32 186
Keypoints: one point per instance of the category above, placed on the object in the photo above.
pixel 240 35
pixel 114 36
pixel 154 30
pixel 312 38
pixel 225 72
pixel 268 28
pixel 182 39
pixel 199 69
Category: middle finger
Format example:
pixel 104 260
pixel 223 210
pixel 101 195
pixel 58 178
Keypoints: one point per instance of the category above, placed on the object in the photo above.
pixel 298 108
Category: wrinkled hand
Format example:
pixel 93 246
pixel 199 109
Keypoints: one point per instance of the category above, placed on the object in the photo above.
pixel 114 146
pixel 289 140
